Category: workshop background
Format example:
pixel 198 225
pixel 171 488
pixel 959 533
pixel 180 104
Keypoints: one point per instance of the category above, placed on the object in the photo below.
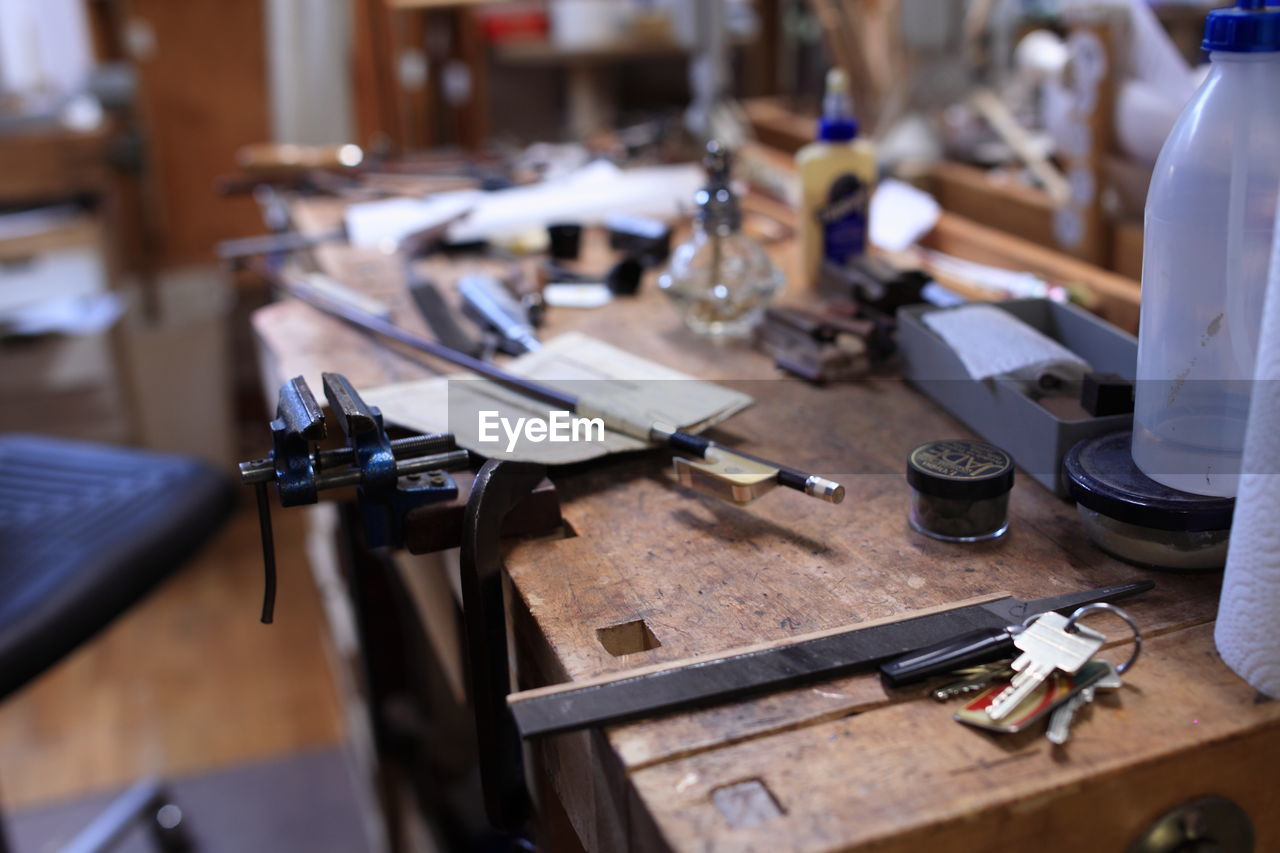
pixel 133 137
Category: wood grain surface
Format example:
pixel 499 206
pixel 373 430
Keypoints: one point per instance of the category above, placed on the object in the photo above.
pixel 847 762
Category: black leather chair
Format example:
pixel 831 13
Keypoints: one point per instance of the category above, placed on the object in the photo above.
pixel 87 530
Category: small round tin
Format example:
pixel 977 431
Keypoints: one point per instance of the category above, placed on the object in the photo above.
pixel 960 490
pixel 1131 516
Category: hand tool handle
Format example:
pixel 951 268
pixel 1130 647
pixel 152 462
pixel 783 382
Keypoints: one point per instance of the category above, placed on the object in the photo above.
pixel 440 316
pixel 970 649
pixel 490 303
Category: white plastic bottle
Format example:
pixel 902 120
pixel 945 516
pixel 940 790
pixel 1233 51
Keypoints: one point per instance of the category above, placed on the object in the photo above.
pixel 1209 220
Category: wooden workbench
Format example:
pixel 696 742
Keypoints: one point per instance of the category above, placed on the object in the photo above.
pixel 845 764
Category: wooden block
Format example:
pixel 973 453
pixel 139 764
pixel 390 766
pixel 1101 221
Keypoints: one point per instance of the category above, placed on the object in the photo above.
pixel 52 165
pixel 76 231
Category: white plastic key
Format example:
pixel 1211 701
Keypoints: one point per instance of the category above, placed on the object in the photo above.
pixel 1060 720
pixel 1046 646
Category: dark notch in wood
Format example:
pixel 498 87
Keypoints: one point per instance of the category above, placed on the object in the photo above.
pixel 627 638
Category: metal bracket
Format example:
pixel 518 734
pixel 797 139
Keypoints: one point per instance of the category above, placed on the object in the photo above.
pixel 498 488
pixel 384 522
pixel 1205 823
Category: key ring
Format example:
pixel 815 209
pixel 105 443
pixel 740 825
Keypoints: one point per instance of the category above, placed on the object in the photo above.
pixel 1111 608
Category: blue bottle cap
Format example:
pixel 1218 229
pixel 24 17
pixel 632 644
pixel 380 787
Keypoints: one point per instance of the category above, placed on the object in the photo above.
pixel 840 129
pixel 1250 26
pixel 837 123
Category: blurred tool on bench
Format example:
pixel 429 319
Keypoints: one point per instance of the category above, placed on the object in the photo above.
pixel 727 473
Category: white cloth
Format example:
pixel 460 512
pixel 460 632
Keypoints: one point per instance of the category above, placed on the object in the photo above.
pixel 1248 628
pixel 992 343
pixel 45 45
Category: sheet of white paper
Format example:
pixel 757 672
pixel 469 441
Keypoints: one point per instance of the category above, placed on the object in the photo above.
pixel 576 364
pixel 900 215
pixel 1020 285
pixel 384 223
pixel 76 315
pixel 588 196
pixel 991 342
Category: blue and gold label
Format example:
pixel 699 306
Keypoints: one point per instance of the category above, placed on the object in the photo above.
pixel 843 219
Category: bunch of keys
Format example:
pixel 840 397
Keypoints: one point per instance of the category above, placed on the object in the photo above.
pixel 1055 675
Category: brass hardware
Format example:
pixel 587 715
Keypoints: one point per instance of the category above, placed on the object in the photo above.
pixel 726 475
pixel 1203 825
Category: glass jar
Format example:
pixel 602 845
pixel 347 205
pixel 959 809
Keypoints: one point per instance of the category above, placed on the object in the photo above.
pixel 960 490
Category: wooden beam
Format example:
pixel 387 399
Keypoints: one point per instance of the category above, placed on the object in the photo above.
pixel 378 115
pixel 1109 295
pixel 1126 248
pixel 438 4
pixel 201 96
pixel 777 125
pixel 969 191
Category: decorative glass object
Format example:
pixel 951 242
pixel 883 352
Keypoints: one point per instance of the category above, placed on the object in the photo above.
pixel 720 280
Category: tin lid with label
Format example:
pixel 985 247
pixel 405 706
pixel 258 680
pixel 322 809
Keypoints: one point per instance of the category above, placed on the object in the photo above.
pixel 1102 476
pixel 960 469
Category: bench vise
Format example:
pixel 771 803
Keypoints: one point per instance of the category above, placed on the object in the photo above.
pixel 391 477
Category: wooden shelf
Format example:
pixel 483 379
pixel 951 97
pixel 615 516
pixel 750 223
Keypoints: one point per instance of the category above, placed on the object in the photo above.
pixel 439 4
pixel 548 53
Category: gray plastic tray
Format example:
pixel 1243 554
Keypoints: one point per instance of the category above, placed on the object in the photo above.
pixel 999 410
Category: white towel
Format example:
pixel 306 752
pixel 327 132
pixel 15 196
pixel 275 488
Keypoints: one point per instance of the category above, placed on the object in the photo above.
pixel 1248 629
pixel 991 342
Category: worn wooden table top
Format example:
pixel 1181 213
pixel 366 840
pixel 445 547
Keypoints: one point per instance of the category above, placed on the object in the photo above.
pixel 848 762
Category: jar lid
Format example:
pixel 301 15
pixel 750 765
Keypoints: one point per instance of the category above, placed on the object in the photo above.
pixel 1251 26
pixel 1102 476
pixel 960 469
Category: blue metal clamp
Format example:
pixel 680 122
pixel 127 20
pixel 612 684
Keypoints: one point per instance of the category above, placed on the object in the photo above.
pixel 298 422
